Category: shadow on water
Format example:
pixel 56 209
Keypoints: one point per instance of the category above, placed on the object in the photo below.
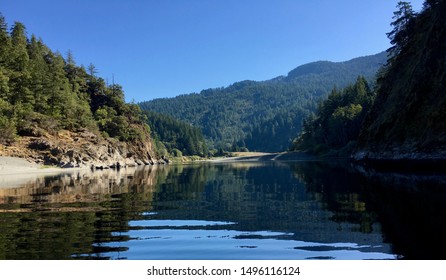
pixel 410 206
pixel 244 210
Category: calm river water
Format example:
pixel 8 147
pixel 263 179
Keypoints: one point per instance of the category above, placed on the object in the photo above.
pixel 242 210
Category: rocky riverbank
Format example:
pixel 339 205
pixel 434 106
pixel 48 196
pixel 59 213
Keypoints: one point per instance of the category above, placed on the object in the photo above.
pixel 82 149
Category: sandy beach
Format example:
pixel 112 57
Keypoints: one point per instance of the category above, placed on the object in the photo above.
pixel 13 165
pixel 16 171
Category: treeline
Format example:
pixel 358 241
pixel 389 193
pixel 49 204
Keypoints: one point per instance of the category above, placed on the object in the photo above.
pixel 263 116
pixel 175 137
pixel 43 92
pixel 336 125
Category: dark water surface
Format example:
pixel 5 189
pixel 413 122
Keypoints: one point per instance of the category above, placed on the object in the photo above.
pixel 245 210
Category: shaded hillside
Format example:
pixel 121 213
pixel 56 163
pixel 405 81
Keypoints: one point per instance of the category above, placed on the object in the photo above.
pixel 267 115
pixel 407 120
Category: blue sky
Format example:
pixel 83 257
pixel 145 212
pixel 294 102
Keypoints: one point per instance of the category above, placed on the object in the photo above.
pixel 163 48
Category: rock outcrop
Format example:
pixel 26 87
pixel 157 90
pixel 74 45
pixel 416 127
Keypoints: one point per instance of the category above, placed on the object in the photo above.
pixel 69 149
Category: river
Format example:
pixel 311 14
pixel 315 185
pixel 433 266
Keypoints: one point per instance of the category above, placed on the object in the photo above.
pixel 231 210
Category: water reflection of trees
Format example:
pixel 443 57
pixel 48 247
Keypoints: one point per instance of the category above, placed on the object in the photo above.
pixel 71 215
pixel 410 207
pixel 84 215
pixel 263 196
pixel 83 186
pixel 337 185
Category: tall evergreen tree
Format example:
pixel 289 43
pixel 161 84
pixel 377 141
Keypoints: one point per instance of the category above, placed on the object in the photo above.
pixel 58 87
pixel 20 76
pixel 402 27
pixel 5 41
pixel 92 71
pixel 39 71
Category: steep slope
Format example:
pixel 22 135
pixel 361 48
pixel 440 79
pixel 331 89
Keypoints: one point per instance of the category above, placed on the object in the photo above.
pixel 267 115
pixel 407 120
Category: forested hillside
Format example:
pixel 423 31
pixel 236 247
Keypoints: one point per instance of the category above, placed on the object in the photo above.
pixel 175 137
pixel 335 127
pixel 407 120
pixel 267 115
pixel 47 101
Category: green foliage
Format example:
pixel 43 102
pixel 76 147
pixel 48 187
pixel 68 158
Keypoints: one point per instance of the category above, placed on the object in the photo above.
pixel 178 138
pixel 41 91
pixel 177 153
pixel 263 116
pixel 4 84
pixel 7 125
pixel 403 25
pixel 338 120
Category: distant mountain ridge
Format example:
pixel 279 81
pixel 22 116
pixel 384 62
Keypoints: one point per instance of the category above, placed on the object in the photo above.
pixel 358 64
pixel 264 115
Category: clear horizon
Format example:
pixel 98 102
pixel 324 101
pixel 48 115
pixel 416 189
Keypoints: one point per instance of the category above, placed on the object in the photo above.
pixel 157 49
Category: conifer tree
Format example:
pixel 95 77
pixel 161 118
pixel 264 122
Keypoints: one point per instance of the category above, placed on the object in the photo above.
pixel 58 86
pixel 5 41
pixel 402 26
pixel 39 72
pixel 20 76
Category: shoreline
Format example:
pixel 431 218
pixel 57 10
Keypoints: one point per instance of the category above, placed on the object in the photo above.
pixel 15 166
pixel 15 171
pixel 281 156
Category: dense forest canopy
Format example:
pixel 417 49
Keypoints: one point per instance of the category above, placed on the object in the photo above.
pixel 337 122
pixel 175 137
pixel 43 92
pixel 264 116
